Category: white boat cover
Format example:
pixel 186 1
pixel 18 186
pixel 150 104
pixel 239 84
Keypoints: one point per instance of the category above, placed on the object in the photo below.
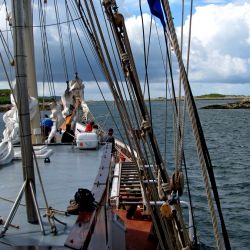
pixel 87 140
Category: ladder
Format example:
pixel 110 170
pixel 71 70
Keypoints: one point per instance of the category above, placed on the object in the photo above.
pixel 130 191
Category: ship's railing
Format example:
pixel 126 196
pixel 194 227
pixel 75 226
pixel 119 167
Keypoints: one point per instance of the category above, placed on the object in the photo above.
pixel 190 219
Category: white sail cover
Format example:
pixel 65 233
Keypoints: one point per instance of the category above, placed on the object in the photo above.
pixel 73 92
pixel 11 132
pixel 11 120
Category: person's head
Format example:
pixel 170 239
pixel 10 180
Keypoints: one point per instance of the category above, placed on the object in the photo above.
pixel 46 116
pixel 95 126
pixel 110 131
pixel 92 123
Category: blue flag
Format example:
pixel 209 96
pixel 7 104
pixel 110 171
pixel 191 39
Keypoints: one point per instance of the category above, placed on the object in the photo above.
pixel 156 10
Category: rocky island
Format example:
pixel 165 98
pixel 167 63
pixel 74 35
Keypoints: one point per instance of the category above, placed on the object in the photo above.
pixel 244 104
pixel 241 102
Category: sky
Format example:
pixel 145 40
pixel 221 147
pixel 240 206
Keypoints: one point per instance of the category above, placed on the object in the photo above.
pixel 219 55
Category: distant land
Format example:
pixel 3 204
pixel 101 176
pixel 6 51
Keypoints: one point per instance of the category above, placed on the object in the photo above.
pixel 5 103
pixel 242 101
pixel 212 96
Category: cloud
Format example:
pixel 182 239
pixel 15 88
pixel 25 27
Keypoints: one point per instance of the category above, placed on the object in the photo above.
pixel 220 48
pixel 214 1
pixel 156 68
pixel 90 90
pixel 220 88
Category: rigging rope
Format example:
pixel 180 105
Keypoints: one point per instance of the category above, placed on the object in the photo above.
pixel 45 49
pixel 199 136
pixel 6 48
pixel 118 94
pixel 183 123
pixel 116 63
pixel 85 23
pixel 174 113
pixel 122 39
pixel 61 42
pixel 184 101
pixel 85 27
pixel 179 136
pixel 70 39
pixel 146 62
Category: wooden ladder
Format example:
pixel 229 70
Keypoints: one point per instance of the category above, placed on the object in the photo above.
pixel 130 192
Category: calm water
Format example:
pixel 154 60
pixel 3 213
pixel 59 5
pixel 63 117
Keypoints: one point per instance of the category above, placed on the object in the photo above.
pixel 227 134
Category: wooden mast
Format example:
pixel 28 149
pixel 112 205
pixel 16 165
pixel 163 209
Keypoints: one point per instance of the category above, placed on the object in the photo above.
pixel 23 107
pixel 31 71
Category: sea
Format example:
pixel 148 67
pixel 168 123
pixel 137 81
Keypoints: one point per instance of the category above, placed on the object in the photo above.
pixel 227 135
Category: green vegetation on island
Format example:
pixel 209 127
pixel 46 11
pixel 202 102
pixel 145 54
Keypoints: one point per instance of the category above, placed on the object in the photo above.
pixel 5 103
pixel 5 97
pixel 212 96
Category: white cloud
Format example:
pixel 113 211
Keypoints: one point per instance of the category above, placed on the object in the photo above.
pixel 220 49
pixel 156 69
pixel 134 29
pixel 220 88
pixel 90 93
pixel 214 1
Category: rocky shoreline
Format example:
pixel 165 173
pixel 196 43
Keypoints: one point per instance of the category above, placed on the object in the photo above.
pixel 42 106
pixel 244 104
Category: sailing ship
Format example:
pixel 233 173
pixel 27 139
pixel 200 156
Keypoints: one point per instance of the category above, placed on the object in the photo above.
pixel 134 202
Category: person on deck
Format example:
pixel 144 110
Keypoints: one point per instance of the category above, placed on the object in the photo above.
pixel 89 126
pixel 46 125
pixel 95 128
pixel 69 135
pixel 110 138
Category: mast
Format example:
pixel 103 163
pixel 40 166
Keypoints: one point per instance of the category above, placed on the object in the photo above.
pixel 31 71
pixel 23 108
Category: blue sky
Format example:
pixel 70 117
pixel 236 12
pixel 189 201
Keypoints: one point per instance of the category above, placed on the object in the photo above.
pixel 220 48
